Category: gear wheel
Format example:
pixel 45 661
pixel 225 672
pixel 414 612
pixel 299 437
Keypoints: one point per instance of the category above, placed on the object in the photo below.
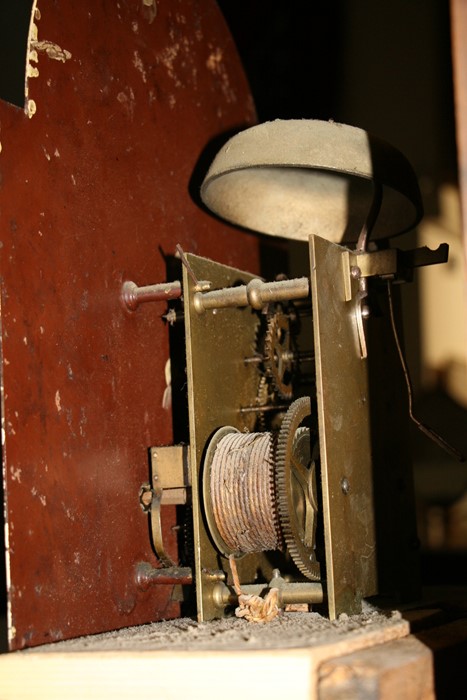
pixel 263 398
pixel 296 488
pixel 279 356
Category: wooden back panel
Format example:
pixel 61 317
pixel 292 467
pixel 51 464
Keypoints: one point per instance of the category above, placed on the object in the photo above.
pixel 95 177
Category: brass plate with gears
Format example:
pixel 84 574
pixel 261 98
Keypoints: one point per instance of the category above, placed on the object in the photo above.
pixel 219 384
pixel 253 489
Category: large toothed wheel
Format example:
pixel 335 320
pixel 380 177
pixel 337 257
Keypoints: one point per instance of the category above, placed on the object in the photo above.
pixel 296 487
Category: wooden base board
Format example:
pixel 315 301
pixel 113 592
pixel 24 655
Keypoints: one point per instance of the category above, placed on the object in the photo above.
pixel 368 657
pixel 89 670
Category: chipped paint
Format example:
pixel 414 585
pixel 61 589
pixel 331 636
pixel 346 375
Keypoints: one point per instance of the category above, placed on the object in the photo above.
pixel 57 401
pixel 31 108
pixel 35 47
pixel 31 56
pixel 138 64
pixel 128 101
pixel 215 64
pixel 177 58
pixel 53 51
pixel 82 424
pixel 214 61
pixel 167 58
pixel 41 497
pixel 47 155
pixel 32 71
pixel 16 474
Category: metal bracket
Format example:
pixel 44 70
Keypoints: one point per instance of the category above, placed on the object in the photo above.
pixel 170 484
pixel 390 264
pixel 170 472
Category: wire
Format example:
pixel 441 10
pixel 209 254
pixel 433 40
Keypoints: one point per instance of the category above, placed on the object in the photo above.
pixel 371 217
pixel 426 430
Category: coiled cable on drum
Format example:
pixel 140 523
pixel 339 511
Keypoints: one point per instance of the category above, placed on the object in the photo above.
pixel 242 492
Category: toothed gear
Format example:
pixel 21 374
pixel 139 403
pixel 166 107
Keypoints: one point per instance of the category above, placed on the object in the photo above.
pixel 263 398
pixel 279 356
pixel 188 536
pixel 296 488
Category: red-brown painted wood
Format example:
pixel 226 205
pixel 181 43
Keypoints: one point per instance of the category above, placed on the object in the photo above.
pixel 93 186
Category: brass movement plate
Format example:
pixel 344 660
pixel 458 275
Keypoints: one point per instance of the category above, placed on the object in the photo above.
pixel 219 384
pixel 345 436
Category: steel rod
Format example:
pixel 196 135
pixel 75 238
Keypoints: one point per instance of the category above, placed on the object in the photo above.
pixel 256 294
pixel 132 295
pixel 288 593
pixel 147 576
